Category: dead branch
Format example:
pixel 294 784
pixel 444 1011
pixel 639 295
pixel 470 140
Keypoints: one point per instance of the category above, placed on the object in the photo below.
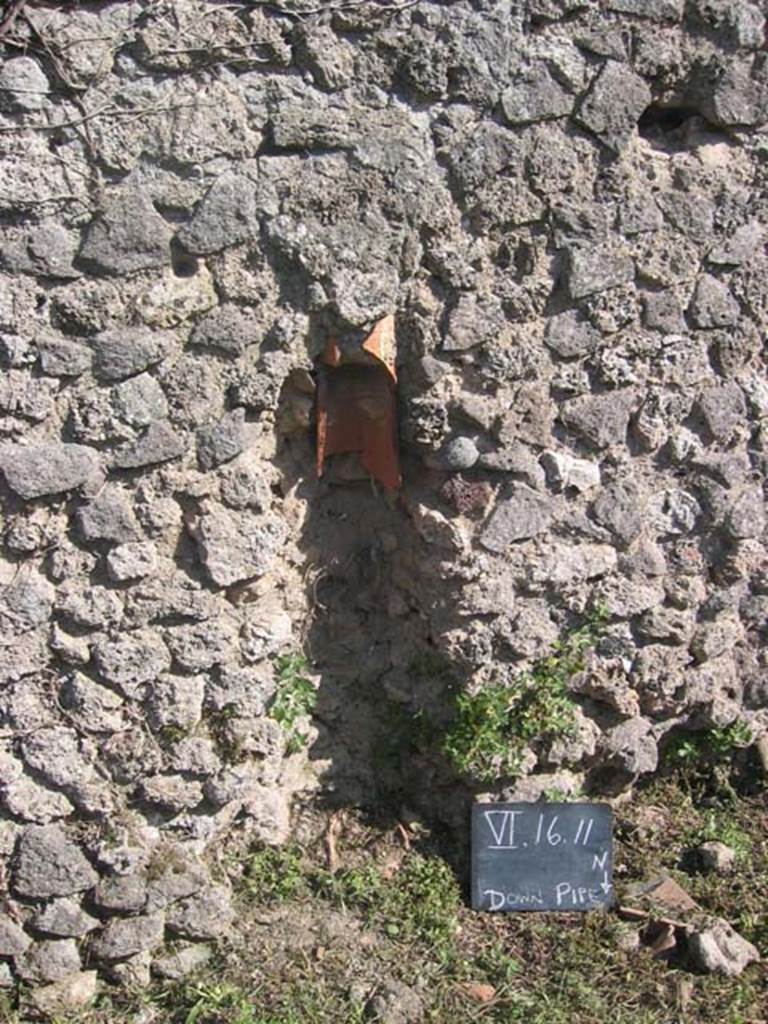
pixel 10 16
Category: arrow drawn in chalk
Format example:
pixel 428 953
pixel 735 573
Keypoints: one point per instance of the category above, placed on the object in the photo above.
pixel 605 885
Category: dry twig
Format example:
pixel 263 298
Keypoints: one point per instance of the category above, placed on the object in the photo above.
pixel 9 18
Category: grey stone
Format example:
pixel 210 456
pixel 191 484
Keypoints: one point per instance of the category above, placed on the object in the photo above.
pixel 715 637
pixel 713 305
pixel 620 508
pixel 692 214
pixel 724 409
pixel 195 755
pixel 45 250
pixel 740 95
pixel 566 472
pixel 222 441
pixel 662 311
pixel 50 864
pixel 716 856
pixel 595 270
pixel 27 600
pixel 129 755
pixel 458 453
pixel 565 564
pixel 171 793
pixel 127 235
pixel 656 10
pixel 715 947
pixel 124 937
pixel 632 746
pixel 176 702
pixel 639 214
pixel 62 358
pixel 131 661
pixel 244 484
pixel 522 513
pixel 65 918
pixel 436 529
pixel 24 537
pixel 121 894
pixel 673 511
pixel 201 645
pixel 535 95
pixel 30 802
pixel 601 419
pixel 23 85
pixel 236 545
pixel 16 351
pixel 108 517
pixel 61 997
pixel 396 1003
pixel 59 755
pixel 24 397
pixel 177 965
pixel 247 689
pixel 98 708
pixel 49 960
pixel 133 973
pixel 125 351
pixel 226 216
pixel 261 390
pixel 570 335
pixel 158 443
pixel 193 390
pixel 180 875
pixel 131 561
pixel 13 939
pixel 331 60
pixel 670 625
pixel 89 606
pixel 140 400
pixel 614 104
pixel 514 457
pixel 36 470
pixel 228 328
pixel 746 515
pixel 207 915
pixel 473 321
pixel 739 246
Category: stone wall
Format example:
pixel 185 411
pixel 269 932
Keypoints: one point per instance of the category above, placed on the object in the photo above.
pixel 564 203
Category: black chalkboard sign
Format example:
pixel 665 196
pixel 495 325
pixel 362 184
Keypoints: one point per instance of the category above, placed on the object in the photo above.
pixel 541 856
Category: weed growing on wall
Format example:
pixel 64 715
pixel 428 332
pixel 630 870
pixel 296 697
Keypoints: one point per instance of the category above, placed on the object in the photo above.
pixel 704 760
pixel 294 700
pixel 493 728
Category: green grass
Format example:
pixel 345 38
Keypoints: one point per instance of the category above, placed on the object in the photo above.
pixel 312 945
pixel 294 700
pixel 419 902
pixel 274 875
pixel 493 729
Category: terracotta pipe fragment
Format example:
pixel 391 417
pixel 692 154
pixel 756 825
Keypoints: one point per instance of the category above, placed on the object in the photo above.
pixel 357 405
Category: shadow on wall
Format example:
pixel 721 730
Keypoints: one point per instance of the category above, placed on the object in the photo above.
pixel 377 595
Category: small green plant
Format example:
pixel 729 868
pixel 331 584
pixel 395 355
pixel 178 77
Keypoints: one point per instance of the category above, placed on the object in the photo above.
pixel 492 729
pixel 228 744
pixel 214 1004
pixel 704 759
pixel 294 700
pixel 718 825
pixel 172 734
pixel 419 902
pixel 275 875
